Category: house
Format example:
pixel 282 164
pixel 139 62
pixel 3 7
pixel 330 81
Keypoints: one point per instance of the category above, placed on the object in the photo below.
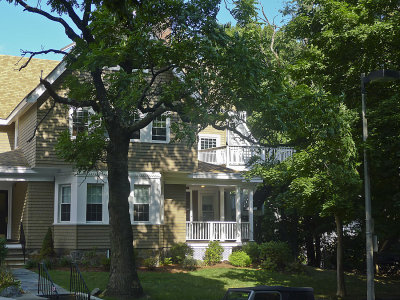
pixel 178 193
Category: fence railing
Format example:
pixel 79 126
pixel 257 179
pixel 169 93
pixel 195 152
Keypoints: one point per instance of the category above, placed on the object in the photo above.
pixel 241 155
pixel 77 285
pixel 46 287
pixel 216 231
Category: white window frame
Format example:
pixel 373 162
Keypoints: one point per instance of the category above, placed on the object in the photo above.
pixel 146 133
pixel 217 137
pixel 71 120
pixel 138 203
pixel 60 197
pixel 101 202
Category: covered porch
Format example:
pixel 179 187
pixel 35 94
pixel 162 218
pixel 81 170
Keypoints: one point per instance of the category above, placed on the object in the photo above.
pixel 219 213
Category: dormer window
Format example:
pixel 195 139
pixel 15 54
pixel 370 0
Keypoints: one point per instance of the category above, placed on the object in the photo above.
pixel 159 129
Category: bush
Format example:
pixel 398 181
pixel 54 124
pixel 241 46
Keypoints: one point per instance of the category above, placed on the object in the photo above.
pixel 213 253
pixel 47 245
pixel 3 250
pixel 105 263
pixel 253 250
pixel 150 262
pixel 275 256
pixel 7 279
pixel 166 261
pixel 32 262
pixel 239 259
pixel 189 263
pixel 64 261
pixel 179 251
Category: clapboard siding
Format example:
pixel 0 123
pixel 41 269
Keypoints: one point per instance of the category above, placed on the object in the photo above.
pixel 27 124
pixel 213 131
pixel 7 138
pixel 48 132
pixel 174 214
pixel 18 202
pixel 65 236
pixel 39 212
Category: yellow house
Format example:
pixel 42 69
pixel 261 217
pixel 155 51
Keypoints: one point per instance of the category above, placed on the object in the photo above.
pixel 178 193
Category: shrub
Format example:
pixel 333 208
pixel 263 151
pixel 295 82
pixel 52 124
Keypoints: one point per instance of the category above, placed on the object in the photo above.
pixel 213 253
pixel 64 261
pixel 166 261
pixel 150 262
pixel 239 259
pixel 189 263
pixel 105 263
pixel 253 250
pixel 275 255
pixel 7 279
pixel 47 245
pixel 179 251
pixel 3 250
pixel 32 262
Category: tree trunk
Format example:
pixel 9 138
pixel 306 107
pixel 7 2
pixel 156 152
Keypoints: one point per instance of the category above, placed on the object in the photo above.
pixel 308 232
pixel 317 251
pixel 123 281
pixel 341 288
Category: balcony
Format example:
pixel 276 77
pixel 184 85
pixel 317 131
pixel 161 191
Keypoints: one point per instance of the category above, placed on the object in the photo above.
pixel 217 231
pixel 238 157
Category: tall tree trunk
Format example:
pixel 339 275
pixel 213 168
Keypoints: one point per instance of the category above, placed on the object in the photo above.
pixel 123 281
pixel 341 288
pixel 308 232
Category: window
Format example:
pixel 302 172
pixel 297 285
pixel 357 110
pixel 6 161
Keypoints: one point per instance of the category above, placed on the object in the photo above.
pixel 94 202
pixel 159 129
pixel 80 120
pixel 65 203
pixel 206 143
pixel 136 135
pixel 141 203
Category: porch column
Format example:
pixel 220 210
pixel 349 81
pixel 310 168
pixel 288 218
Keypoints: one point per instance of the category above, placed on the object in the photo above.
pixel 238 215
pixel 251 215
pixel 191 206
pixel 221 204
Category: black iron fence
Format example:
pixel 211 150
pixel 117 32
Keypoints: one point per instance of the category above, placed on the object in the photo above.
pixel 46 287
pixel 77 285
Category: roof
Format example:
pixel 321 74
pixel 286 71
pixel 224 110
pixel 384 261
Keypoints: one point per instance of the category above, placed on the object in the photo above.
pixel 14 158
pixel 210 168
pixel 15 85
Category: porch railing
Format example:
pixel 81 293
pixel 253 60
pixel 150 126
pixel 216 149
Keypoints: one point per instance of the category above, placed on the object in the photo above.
pixel 241 155
pixel 216 231
pixel 77 285
pixel 46 287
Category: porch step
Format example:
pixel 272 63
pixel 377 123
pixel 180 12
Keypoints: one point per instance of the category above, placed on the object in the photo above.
pixel 15 256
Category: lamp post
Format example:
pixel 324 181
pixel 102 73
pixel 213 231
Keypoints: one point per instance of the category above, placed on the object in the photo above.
pixel 374 76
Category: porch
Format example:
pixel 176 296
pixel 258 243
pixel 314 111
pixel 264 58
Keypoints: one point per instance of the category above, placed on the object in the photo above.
pixel 218 213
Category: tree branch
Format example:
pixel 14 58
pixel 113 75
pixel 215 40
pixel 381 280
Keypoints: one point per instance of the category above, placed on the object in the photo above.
pixel 40 122
pixel 34 53
pixel 274 27
pixel 68 30
pixel 58 99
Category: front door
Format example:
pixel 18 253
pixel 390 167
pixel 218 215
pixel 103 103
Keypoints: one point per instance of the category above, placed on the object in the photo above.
pixel 3 213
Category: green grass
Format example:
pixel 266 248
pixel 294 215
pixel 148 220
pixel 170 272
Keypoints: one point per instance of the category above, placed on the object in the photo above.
pixel 211 283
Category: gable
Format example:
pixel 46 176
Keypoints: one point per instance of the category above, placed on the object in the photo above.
pixel 16 85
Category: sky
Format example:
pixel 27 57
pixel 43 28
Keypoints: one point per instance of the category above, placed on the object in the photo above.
pixel 24 30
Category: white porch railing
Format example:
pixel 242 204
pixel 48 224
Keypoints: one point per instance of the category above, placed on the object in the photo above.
pixel 240 155
pixel 216 231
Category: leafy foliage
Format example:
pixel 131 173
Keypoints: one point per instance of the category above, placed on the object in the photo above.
pixel 47 250
pixel 213 253
pixel 275 256
pixel 239 259
pixel 179 251
pixel 3 250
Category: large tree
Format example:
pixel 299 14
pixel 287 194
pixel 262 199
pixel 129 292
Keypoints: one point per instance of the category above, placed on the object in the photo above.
pixel 144 58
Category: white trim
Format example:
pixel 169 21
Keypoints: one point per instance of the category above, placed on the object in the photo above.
pixel 217 137
pixel 16 133
pixel 34 95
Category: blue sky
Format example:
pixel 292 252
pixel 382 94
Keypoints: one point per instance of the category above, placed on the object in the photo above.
pixel 24 30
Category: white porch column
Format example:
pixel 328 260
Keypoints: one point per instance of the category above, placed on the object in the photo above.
pixel 191 206
pixel 221 204
pixel 251 215
pixel 238 215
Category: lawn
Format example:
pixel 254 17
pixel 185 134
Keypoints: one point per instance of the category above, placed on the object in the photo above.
pixel 211 283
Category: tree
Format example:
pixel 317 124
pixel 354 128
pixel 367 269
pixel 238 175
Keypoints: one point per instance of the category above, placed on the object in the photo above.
pixel 144 58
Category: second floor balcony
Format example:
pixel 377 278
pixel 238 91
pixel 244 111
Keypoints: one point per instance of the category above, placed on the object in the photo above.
pixel 238 157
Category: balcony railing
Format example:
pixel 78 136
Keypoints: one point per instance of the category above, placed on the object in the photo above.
pixel 216 231
pixel 241 155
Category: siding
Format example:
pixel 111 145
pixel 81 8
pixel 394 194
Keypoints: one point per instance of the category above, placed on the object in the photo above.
pixel 65 236
pixel 174 214
pixel 7 138
pixel 48 132
pixel 18 202
pixel 27 125
pixel 211 130
pixel 38 214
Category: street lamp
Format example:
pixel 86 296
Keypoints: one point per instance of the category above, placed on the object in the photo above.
pixel 374 76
